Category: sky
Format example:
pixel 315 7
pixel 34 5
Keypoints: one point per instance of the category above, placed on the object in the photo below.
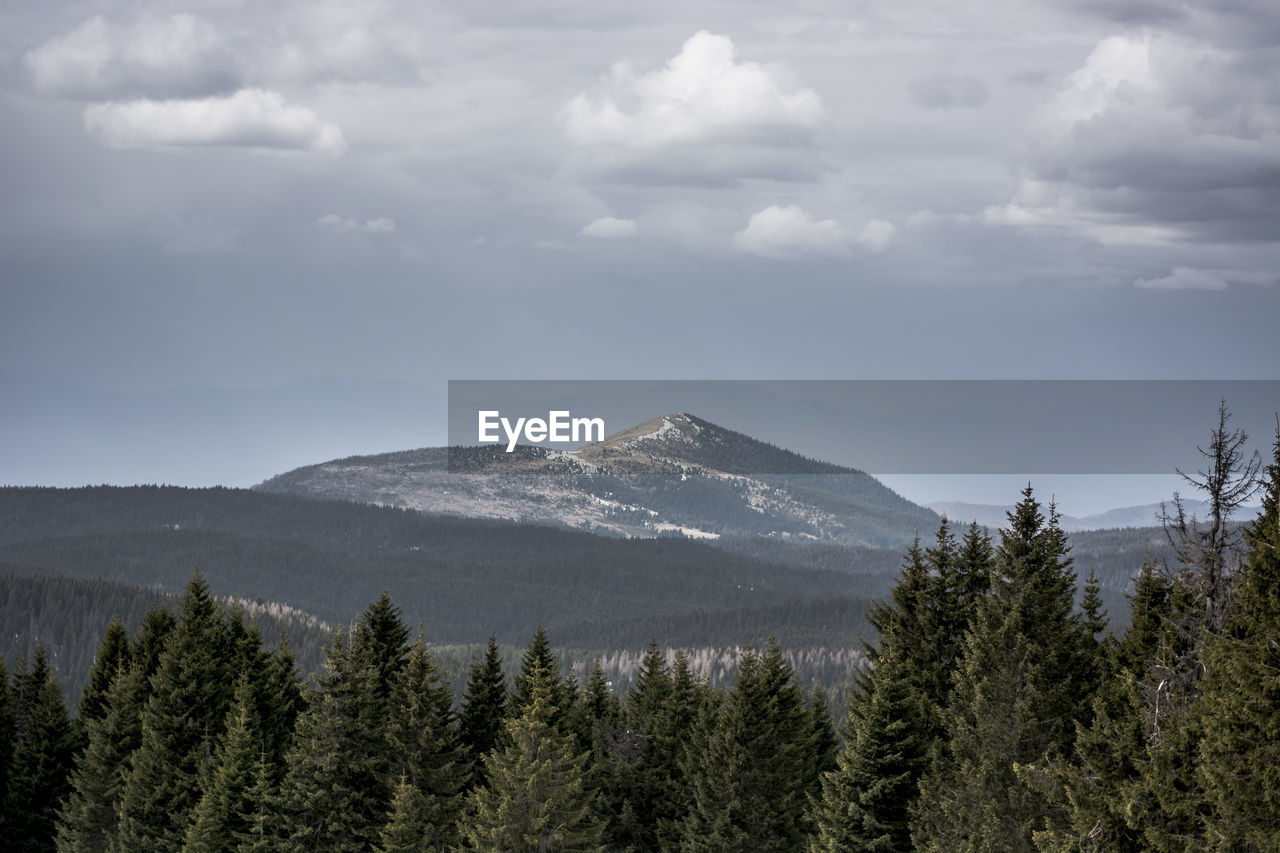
pixel 238 196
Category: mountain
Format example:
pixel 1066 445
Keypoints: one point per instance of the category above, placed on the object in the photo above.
pixel 1145 515
pixel 672 475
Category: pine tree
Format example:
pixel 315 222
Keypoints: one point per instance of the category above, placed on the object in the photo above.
pixel 111 660
pixel 381 640
pixel 747 765
pixel 181 721
pixel 1020 690
pixel 538 656
pixel 1100 785
pixel 484 706
pixel 425 745
pixel 224 815
pixel 278 699
pixel 43 745
pixel 866 800
pixel 408 828
pixel 260 833
pixel 335 795
pixel 1240 697
pixel 88 820
pixel 536 796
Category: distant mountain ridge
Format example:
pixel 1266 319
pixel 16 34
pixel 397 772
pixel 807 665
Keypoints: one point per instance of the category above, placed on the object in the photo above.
pixel 1143 515
pixel 672 475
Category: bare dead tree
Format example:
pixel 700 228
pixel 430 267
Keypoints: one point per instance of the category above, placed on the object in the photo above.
pixel 1208 553
pixel 1209 550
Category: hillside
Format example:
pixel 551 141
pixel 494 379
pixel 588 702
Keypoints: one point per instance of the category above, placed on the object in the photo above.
pixel 676 474
pixel 461 578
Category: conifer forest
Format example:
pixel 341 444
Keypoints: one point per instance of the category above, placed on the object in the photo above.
pixel 1000 710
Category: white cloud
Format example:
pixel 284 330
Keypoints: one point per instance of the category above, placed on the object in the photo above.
pixel 789 232
pixel 703 113
pixel 341 224
pixel 1184 278
pixel 609 227
pixel 944 91
pixel 251 118
pixel 702 93
pixel 175 56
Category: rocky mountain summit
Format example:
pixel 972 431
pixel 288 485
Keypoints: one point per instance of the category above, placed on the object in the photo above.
pixel 672 475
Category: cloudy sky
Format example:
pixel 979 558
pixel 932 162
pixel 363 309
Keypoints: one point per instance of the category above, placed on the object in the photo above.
pixel 239 195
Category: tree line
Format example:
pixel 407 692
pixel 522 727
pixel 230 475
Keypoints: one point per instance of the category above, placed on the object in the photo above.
pixel 995 715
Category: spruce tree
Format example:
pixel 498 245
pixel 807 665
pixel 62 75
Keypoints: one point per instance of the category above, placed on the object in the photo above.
pixel 181 721
pixel 224 815
pixel 408 828
pixel 381 640
pixel 1100 785
pixel 484 706
pixel 866 800
pixel 536 796
pixel 111 660
pixel 427 753
pixel 336 792
pixel 747 766
pixel 1020 689
pixel 1240 696
pixel 537 657
pixel 88 820
pixel 43 745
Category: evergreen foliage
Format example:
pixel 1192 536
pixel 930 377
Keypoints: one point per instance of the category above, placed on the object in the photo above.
pixel 1240 697
pixel 427 753
pixel 225 814
pixel 484 707
pixel 43 742
pixel 88 820
pixel 1021 686
pixel 746 765
pixel 182 720
pixel 336 791
pixel 536 796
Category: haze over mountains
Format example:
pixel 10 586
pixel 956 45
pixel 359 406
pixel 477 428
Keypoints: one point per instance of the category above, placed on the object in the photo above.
pixel 1145 515
pixel 674 474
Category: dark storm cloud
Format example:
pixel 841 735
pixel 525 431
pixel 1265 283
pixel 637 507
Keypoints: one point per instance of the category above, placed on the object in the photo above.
pixel 1159 138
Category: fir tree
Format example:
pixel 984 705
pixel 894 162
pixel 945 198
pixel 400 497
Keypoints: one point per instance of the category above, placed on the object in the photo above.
pixel 1019 692
pixel 182 720
pixel 43 744
pixel 88 820
pixel 1099 787
pixel 484 706
pixel 1240 697
pixel 335 794
pixel 408 828
pixel 224 815
pixel 381 640
pixel 111 660
pixel 747 766
pixel 425 745
pixel 538 657
pixel 536 796
pixel 866 800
